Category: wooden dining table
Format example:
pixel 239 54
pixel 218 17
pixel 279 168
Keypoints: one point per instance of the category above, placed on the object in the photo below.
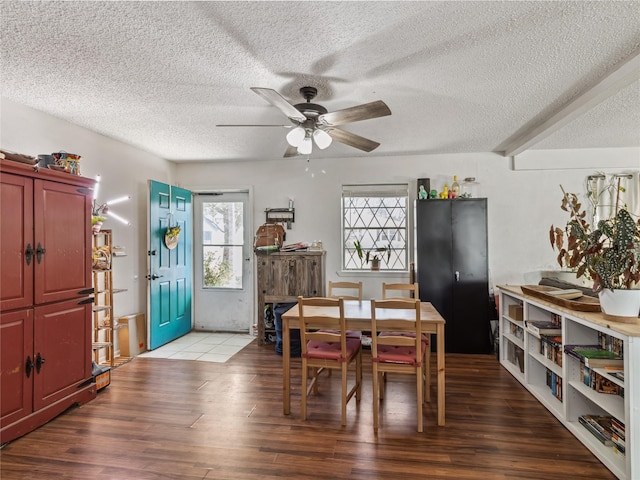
pixel 358 317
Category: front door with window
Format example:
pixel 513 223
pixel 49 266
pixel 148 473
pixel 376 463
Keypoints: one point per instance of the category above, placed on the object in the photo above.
pixel 223 292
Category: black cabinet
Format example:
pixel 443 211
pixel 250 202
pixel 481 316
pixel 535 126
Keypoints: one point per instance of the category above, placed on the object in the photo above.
pixel 452 269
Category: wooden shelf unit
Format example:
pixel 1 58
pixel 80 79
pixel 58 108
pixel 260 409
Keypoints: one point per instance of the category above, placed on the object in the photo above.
pixel 104 323
pixel 519 354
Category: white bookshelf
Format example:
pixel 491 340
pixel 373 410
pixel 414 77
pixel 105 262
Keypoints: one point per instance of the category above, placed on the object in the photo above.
pixel 576 398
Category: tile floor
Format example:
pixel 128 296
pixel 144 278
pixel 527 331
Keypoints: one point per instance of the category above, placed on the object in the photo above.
pixel 203 346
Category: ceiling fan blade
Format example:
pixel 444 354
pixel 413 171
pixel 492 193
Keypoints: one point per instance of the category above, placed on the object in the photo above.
pixel 355 114
pixel 278 101
pixel 352 139
pixel 248 125
pixel 290 152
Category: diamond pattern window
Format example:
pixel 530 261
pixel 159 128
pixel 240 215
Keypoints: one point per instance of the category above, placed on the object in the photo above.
pixel 375 218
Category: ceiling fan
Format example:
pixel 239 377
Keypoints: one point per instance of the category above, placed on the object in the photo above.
pixel 312 123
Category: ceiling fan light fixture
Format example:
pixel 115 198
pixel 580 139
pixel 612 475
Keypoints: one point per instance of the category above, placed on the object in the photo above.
pixel 322 139
pixel 296 136
pixel 306 146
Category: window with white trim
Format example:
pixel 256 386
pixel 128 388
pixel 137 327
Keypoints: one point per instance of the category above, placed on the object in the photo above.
pixel 376 217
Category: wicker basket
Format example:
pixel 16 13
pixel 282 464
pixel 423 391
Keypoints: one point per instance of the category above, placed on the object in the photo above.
pixel 101 258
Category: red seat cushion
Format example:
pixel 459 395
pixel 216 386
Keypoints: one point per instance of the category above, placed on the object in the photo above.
pixel 396 354
pixel 331 350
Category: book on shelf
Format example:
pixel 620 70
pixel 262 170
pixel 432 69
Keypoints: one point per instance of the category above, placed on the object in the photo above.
pixel 538 327
pixel 599 427
pixel 594 356
pixel 615 372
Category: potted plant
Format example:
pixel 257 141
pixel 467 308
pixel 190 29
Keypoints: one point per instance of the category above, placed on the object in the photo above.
pixel 373 255
pixel 608 254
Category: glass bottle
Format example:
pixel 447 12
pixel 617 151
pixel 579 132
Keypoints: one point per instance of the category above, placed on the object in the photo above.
pixel 455 187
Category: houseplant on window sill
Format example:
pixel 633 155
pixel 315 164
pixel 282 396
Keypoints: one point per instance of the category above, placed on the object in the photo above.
pixel 608 254
pixel 373 255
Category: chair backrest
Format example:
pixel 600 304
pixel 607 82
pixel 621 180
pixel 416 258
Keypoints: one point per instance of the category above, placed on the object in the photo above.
pixel 354 289
pixel 400 290
pixel 321 319
pixel 400 320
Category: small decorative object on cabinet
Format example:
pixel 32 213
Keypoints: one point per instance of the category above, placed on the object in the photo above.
pixel 104 323
pixel 574 387
pixel 45 302
pixel 282 276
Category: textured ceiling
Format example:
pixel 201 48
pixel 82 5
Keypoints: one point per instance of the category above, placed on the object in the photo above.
pixel 458 76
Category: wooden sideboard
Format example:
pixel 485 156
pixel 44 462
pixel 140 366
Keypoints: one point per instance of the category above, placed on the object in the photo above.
pixel 282 276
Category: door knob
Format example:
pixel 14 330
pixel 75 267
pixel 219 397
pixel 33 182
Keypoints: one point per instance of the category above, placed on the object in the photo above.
pixel 29 252
pixel 153 277
pixel 39 362
pixel 39 252
pixel 28 366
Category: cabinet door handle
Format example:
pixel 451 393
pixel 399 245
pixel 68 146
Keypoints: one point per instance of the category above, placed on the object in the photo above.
pixel 28 254
pixel 457 275
pixel 28 366
pixel 84 301
pixel 39 252
pixel 39 362
pixel 86 291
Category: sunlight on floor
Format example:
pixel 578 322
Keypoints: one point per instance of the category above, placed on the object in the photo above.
pixel 203 346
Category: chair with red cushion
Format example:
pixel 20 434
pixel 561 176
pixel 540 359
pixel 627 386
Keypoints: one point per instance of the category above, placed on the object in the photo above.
pixel 325 345
pixel 400 347
pixel 400 290
pixel 347 291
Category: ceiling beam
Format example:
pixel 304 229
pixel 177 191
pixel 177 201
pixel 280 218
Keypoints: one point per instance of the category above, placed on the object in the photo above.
pixel 622 76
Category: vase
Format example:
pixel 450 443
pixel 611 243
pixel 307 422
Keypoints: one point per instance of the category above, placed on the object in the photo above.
pixel 375 264
pixel 620 305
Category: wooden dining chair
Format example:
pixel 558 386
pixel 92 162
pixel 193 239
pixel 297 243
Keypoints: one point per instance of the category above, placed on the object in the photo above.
pixel 325 345
pixel 402 290
pixel 398 346
pixel 337 290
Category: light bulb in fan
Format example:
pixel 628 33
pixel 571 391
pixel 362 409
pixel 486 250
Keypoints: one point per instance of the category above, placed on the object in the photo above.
pixel 322 139
pixel 296 136
pixel 305 146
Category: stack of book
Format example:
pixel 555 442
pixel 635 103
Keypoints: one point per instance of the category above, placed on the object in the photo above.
pixel 551 348
pixel 600 383
pixel 594 356
pixel 542 327
pixel 607 429
pixel 554 382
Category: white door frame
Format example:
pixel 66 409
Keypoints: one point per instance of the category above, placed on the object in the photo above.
pixel 197 247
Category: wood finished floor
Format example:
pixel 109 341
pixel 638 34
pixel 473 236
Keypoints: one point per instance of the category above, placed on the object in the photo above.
pixel 170 419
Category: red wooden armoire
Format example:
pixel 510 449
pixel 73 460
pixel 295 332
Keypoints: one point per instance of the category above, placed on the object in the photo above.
pixel 45 308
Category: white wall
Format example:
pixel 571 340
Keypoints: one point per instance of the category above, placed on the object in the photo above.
pixel 522 204
pixel 125 170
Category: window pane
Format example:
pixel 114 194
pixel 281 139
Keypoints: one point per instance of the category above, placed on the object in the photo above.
pixel 222 223
pixel 376 216
pixel 222 267
pixel 222 244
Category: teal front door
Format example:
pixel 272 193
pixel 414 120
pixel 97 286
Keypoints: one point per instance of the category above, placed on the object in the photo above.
pixel 170 266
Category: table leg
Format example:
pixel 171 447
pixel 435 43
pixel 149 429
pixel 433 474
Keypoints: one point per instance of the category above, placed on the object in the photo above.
pixel 286 368
pixel 440 366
